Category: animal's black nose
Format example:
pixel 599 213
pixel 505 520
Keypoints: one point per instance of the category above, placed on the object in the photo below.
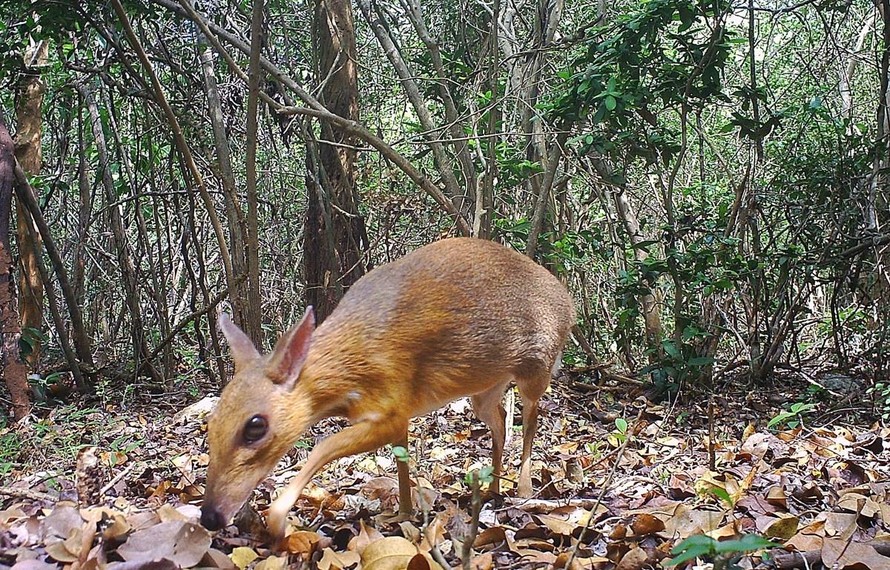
pixel 211 519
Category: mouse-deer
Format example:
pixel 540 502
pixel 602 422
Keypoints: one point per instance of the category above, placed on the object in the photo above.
pixel 459 317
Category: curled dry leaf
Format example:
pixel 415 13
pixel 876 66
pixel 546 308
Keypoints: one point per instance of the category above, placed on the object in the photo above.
pixel 301 542
pixel 645 524
pixel 395 553
pixel 331 560
pixel 365 537
pixel 491 536
pixel 184 543
pixel 853 555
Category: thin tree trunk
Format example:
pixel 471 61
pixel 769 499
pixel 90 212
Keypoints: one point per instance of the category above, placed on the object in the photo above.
pixel 255 73
pixel 542 197
pixel 56 312
pixel 335 263
pixel 157 290
pixel 650 303
pixel 455 124
pixel 548 16
pixel 485 191
pixel 234 213
pixel 29 118
pixel 181 144
pixel 14 371
pixel 84 209
pixel 84 356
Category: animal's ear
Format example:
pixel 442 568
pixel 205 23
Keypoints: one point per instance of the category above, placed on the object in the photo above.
pixel 243 350
pixel 290 352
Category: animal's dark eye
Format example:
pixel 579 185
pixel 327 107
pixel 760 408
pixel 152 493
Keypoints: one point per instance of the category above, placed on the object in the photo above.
pixel 255 429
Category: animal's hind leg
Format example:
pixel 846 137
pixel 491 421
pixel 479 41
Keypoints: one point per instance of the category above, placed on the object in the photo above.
pixel 532 385
pixel 489 407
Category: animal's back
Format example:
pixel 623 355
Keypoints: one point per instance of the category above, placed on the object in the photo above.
pixel 457 307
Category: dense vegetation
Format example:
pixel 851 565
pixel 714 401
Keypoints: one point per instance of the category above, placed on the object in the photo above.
pixel 709 178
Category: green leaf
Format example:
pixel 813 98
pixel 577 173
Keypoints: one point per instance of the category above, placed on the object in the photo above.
pixel 610 102
pixel 621 425
pixel 691 548
pixel 721 494
pixel 671 349
pixel 746 543
pixel 701 361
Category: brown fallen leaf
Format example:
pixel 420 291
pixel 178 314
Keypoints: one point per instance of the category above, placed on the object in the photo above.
pixel 688 521
pixel 331 560
pixel 636 559
pixel 63 520
pixel 492 535
pixel 421 562
pixel 365 537
pixel 852 556
pixel 394 553
pixel 644 524
pixel 301 542
pixel 804 542
pixel 776 496
pixel 836 524
pixel 184 543
pixel 214 558
pixel 783 526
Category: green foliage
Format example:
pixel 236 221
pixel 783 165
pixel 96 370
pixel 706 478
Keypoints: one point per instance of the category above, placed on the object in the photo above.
pixel 702 546
pixel 708 264
pixel 401 453
pixel 793 416
pixel 30 338
pixel 662 54
pixel 881 394
pixel 619 434
pixel 477 477
pixel 10 450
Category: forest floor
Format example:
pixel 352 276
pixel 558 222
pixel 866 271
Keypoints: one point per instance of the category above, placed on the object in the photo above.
pixel 620 484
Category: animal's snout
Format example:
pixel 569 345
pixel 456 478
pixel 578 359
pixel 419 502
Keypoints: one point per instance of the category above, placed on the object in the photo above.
pixel 211 519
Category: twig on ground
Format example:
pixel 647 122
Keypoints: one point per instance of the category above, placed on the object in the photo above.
pixel 26 494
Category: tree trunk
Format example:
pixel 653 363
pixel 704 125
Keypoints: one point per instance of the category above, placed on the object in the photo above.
pixel 28 109
pixel 334 236
pixel 14 371
pixel 237 226
pixel 253 318
pixel 83 359
pixel 234 213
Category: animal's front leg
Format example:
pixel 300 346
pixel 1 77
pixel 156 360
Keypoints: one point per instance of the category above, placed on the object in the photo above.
pixel 359 438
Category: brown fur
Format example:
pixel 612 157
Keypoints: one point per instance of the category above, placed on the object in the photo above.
pixel 459 317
